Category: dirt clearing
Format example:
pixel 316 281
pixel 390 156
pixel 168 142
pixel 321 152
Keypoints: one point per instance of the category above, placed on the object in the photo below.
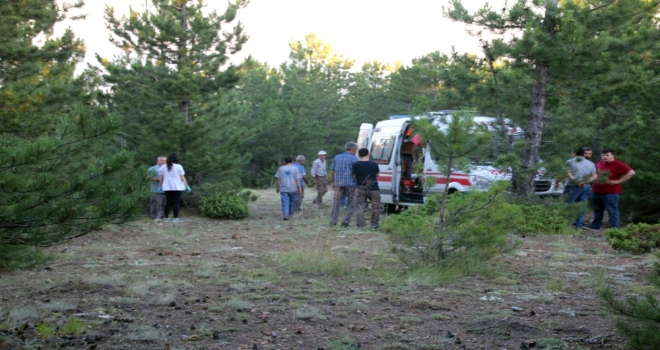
pixel 265 283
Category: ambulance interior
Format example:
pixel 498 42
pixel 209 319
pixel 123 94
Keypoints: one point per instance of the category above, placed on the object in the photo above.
pixel 411 188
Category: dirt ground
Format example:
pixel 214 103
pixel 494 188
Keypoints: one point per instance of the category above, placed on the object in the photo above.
pixel 265 283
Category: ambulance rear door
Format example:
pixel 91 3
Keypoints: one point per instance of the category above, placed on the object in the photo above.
pixel 385 140
pixel 366 129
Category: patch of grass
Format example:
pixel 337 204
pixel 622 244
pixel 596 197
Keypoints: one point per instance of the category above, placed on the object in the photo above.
pixel 238 304
pixel 111 279
pixel 316 257
pixel 540 273
pixel 301 296
pixel 60 306
pixel 431 347
pixel 344 343
pixel 440 317
pixel 138 332
pixel 255 296
pixel 264 275
pixel 307 313
pixel 425 304
pixel 492 315
pixel 502 280
pixel 458 266
pixel 554 285
pixel 552 344
pixel 380 317
pixel 165 299
pixel 542 299
pixel 73 326
pixel 228 329
pixel 205 273
pixel 596 279
pixel 22 315
pixel 44 330
pixel 411 320
pixel 396 346
pixel 275 309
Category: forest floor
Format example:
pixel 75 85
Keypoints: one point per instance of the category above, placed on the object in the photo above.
pixel 265 283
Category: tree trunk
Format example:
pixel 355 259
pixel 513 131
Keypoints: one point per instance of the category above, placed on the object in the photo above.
pixel 523 179
pixel 184 106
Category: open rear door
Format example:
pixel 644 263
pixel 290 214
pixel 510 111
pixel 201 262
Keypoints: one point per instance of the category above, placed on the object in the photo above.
pixel 366 129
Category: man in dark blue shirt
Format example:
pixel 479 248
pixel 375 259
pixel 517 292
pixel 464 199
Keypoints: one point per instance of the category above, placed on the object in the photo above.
pixel 365 173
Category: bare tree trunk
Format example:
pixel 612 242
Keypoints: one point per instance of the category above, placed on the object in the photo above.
pixel 184 105
pixel 523 179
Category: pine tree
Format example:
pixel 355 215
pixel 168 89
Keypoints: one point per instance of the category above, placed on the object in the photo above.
pixel 36 79
pixel 42 204
pixel 639 318
pixel 171 87
pixel 559 45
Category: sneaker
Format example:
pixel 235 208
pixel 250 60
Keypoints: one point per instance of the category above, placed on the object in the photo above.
pixel 374 227
pixel 285 219
pixel 176 220
pixel 344 224
pixel 167 220
pixel 589 228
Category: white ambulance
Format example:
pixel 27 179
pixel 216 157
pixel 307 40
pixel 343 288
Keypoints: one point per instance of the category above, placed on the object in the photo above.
pixel 391 145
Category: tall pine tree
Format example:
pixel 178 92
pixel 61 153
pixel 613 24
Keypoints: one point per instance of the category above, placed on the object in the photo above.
pixel 36 69
pixel 171 86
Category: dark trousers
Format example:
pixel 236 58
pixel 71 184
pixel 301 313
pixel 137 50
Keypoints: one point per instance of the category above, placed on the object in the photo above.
pixel 576 194
pixel 157 205
pixel 602 202
pixel 172 201
pixel 340 193
pixel 361 196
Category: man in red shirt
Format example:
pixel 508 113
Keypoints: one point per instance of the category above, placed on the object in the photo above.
pixel 607 188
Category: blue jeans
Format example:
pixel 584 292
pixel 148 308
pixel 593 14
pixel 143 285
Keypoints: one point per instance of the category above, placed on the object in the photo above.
pixel 601 202
pixel 575 194
pixel 289 201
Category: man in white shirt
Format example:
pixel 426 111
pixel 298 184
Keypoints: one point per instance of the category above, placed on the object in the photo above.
pixel 320 177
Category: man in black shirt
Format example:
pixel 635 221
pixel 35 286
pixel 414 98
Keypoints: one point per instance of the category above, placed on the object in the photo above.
pixel 366 176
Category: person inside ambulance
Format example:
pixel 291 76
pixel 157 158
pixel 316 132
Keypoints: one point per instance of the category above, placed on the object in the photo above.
pixel 407 155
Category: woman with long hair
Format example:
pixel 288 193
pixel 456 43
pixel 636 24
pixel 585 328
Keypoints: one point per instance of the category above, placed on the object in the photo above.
pixel 173 182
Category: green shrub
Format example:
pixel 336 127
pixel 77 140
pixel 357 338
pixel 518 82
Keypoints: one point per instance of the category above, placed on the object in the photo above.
pixel 224 206
pixel 550 217
pixel 635 238
pixel 476 226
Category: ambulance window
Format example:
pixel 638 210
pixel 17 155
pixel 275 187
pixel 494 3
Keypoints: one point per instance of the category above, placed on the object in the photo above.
pixel 381 149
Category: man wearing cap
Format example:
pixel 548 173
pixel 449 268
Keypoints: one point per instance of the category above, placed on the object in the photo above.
pixel 300 160
pixel 319 174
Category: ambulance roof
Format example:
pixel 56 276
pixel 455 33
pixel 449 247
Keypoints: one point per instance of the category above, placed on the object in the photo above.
pixel 439 119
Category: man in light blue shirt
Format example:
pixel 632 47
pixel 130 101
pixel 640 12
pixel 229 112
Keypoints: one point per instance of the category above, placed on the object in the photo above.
pixel 580 174
pixel 157 203
pixel 288 186
pixel 299 164
pixel 344 185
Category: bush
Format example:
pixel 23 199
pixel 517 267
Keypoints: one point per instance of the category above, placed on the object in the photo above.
pixel 548 216
pixel 476 226
pixel 224 206
pixel 635 238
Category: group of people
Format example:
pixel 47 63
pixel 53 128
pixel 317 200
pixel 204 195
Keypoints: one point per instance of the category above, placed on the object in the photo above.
pixel 352 177
pixel 601 182
pixel 168 182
